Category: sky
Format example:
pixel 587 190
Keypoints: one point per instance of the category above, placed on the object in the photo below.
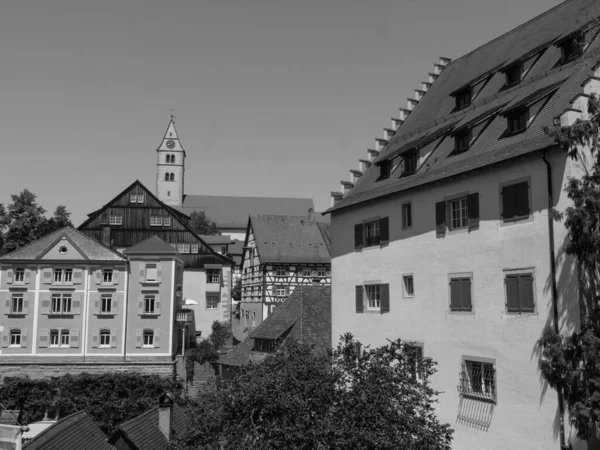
pixel 272 97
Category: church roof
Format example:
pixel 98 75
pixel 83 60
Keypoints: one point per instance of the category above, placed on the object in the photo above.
pixel 430 125
pixel 233 212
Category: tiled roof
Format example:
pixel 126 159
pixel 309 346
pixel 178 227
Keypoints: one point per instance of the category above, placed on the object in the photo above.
pixel 152 245
pixel 213 239
pixel 143 432
pixel 436 110
pixel 233 212
pixel 305 316
pixel 90 248
pixel 74 432
pixel 290 239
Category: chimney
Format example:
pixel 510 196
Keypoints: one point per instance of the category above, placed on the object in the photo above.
pixel 106 236
pixel 165 415
pixel 311 215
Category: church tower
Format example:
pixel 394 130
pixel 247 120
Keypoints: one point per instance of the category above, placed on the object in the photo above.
pixel 170 167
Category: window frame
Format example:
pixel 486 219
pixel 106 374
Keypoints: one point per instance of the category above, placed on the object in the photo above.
pixel 406 206
pixel 465 387
pixel 213 276
pixel 405 293
pixel 462 141
pixel 464 213
pixel 281 271
pixel 59 334
pixel 376 238
pixel 376 288
pixel 419 357
pixel 115 220
pixel 212 301
pixel 460 276
pixel 150 266
pixel 19 275
pixel 520 114
pixel 409 163
pixel 17 334
pixel 148 335
pixel 460 96
pixel 149 304
pixel 16 296
pixel 156 221
pixel 513 69
pixel 63 299
pixel 515 219
pixel 104 333
pixel 107 276
pixel 166 221
pixel 523 272
pixel 106 300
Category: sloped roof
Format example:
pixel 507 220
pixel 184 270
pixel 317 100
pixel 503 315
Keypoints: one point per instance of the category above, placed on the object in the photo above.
pixel 152 245
pixel 290 239
pixel 304 316
pixel 436 110
pixel 214 239
pixel 75 432
pixel 233 212
pixel 89 247
pixel 143 432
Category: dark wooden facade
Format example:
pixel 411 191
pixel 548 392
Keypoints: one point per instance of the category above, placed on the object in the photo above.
pixel 122 223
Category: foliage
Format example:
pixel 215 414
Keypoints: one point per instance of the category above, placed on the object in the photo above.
pixel 354 397
pixel 110 399
pixel 220 335
pixel 236 291
pixel 208 349
pixel 24 221
pixel 571 364
pixel 201 224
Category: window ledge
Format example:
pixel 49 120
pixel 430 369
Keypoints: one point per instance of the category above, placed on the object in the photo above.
pixel 460 313
pixel 70 314
pixel 516 221
pixel 107 287
pixel 106 314
pixel 55 287
pixel 517 315
pixel 145 314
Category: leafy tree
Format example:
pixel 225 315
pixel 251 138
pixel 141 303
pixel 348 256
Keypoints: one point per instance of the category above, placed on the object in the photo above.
pixel 207 350
pixel 354 397
pixel 110 399
pixel 60 219
pixel 201 224
pixel 571 364
pixel 236 292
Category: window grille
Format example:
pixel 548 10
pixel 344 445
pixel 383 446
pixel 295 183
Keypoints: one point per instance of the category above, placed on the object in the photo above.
pixel 478 380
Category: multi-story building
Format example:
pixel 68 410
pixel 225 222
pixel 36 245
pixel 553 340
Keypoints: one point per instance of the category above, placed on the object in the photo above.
pixel 281 253
pixel 444 236
pixel 71 304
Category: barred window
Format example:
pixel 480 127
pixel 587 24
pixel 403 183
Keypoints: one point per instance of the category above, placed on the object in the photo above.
pixel 478 380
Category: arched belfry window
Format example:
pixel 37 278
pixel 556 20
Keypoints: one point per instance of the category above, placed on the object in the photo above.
pixel 166 176
pixel 172 177
pixel 168 159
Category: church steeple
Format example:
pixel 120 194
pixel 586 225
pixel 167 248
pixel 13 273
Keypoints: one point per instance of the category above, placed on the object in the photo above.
pixel 170 167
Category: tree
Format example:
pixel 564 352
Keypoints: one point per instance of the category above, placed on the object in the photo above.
pixel 354 397
pixel 60 219
pixel 571 364
pixel 201 224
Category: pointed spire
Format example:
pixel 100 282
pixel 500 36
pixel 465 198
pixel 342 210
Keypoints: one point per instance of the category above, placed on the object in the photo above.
pixel 170 141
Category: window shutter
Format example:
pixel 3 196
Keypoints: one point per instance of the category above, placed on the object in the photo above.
pixel 74 340
pixel 509 207
pixel 24 338
pixel 440 217
pixel 7 301
pixel 521 192
pixel 115 278
pixel 512 293
pixel 114 307
pixel 95 337
pixel 142 272
pixel 526 284
pixel 385 298
pixel 141 305
pixel 455 300
pixel 360 306
pixel 27 276
pixel 384 230
pixel 138 338
pixel 473 210
pixel 43 338
pixel 113 338
pixel 45 303
pixel 26 296
pixel 95 302
pixel 47 276
pixel 157 305
pixel 158 272
pixel 5 336
pixel 465 292
pixel 99 276
pixel 76 305
pixel 358 235
pixel 77 276
pixel 9 275
pixel 156 338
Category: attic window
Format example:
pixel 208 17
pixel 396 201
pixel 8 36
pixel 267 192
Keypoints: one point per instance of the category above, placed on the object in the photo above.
pixel 514 74
pixel 517 120
pixel 572 47
pixel 265 346
pixel 463 98
pixel 385 169
pixel 409 163
pixel 462 141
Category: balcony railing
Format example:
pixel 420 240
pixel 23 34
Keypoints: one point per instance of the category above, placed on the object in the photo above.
pixel 183 316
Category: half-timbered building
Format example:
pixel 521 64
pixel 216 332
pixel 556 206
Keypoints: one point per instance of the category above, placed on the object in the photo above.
pixel 281 253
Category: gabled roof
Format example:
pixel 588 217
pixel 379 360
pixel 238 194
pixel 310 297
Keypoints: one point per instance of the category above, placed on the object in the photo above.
pixel 90 248
pixel 152 245
pixel 75 432
pixel 143 432
pixel 290 239
pixel 233 212
pixel 433 120
pixel 304 316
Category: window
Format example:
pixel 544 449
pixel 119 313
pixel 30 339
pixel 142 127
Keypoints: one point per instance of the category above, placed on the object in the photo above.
pixel 172 177
pixel 166 176
pixel 224 249
pixel 515 202
pixel 213 275
pixel 106 304
pixel 415 360
pixel 212 302
pixel 58 275
pixel 372 233
pixel 61 304
pixel 148 338
pixel 478 380
pixel 462 141
pixel 281 271
pixel 463 98
pixel 183 248
pixel 104 338
pixel 517 120
pixel 519 293
pixel 409 163
pixel 64 338
pixel 194 248
pixel 513 74
pixel 306 271
pixel 104 220
pixel 406 215
pixel 15 338
pixel 458 213
pixel 167 221
pixel 54 338
pixel 140 198
pixel 280 291
pixel 133 198
pixel 19 275
pixel 265 345
pixel 460 294
pixel 115 220
pixel 107 276
pixel 572 48
pixel 321 271
pixel 408 285
pixel 17 304
pixel 68 275
pixel 151 272
pixel 59 338
pixel 155 221
pixel 149 304
pixel 373 292
pixel 385 169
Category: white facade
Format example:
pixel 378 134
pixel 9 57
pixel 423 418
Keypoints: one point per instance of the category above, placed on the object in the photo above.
pixel 170 168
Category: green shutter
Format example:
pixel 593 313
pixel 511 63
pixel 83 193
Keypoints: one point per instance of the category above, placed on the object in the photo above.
pixel 526 293
pixel 385 298
pixel 358 235
pixel 512 293
pixel 440 217
pixel 360 306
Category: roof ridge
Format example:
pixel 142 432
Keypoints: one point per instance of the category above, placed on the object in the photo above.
pixel 55 424
pixel 144 414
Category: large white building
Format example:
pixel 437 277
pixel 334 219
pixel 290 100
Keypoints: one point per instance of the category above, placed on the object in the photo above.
pixel 443 235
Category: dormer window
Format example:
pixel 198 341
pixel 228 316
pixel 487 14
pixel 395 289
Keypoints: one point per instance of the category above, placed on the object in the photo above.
pixel 463 98
pixel 385 169
pixel 462 141
pixel 409 163
pixel 514 74
pixel 572 48
pixel 517 120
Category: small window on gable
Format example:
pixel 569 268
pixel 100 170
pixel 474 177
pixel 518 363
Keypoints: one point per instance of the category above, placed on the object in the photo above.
pixel 167 221
pixel 462 140
pixel 517 120
pixel 104 220
pixel 463 98
pixel 514 74
pixel 140 198
pixel 133 198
